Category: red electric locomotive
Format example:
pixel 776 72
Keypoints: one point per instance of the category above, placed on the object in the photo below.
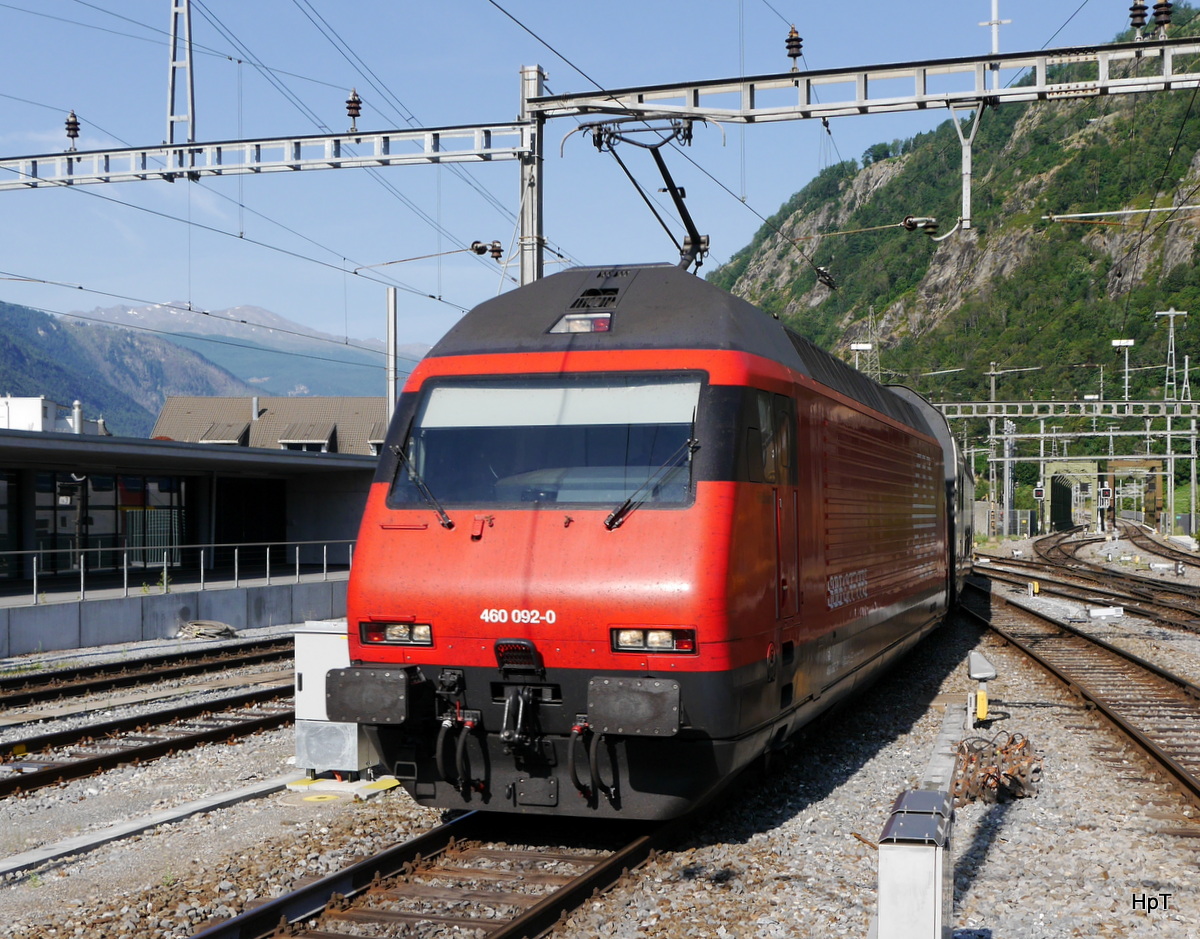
pixel 628 533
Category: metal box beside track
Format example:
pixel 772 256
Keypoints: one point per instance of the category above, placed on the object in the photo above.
pixel 322 744
pixel 916 887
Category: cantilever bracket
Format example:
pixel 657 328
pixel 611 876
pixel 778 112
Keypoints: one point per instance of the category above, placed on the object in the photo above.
pixel 966 139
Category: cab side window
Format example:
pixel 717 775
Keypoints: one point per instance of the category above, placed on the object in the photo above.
pixel 770 439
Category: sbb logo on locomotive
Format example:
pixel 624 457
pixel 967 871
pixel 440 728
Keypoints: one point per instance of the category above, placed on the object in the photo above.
pixel 850 587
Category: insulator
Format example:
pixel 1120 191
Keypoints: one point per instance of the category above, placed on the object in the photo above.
pixel 1137 15
pixel 1162 14
pixel 794 46
pixel 479 247
pixel 354 104
pixel 496 250
pixel 72 126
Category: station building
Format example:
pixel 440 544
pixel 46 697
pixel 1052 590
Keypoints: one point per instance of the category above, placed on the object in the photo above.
pixel 86 509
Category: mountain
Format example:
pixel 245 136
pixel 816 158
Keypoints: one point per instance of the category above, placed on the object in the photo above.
pixel 120 375
pixel 124 361
pixel 268 351
pixel 1014 289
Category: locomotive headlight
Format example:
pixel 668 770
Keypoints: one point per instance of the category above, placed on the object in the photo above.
pixel 631 639
pixel 654 640
pixel 405 634
pixel 583 323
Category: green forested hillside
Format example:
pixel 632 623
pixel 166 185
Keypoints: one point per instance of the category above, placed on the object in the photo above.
pixel 1014 289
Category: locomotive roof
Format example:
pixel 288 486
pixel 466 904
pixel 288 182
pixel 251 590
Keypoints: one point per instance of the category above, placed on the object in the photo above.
pixel 658 306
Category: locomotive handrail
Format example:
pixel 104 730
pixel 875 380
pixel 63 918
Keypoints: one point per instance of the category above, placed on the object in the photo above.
pixel 232 563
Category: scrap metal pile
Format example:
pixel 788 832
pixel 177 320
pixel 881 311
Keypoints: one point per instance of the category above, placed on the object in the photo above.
pixel 994 771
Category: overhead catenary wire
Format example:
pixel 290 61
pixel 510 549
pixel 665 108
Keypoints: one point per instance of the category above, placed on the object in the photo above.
pixel 25 278
pixel 603 90
pixel 389 98
pixel 211 339
pixel 375 174
pixel 241 234
pixel 773 10
pixel 251 59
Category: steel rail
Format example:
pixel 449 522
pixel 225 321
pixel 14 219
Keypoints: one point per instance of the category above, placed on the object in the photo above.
pixel 75 769
pixel 1082 680
pixel 1145 587
pixel 30 687
pixel 283 915
pixel 1146 542
pixel 310 899
pixel 1093 590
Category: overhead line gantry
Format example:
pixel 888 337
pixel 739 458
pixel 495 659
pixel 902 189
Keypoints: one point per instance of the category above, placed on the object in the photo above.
pixel 958 85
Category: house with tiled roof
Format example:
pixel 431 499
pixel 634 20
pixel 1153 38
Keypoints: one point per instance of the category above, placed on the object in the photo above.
pixel 315 425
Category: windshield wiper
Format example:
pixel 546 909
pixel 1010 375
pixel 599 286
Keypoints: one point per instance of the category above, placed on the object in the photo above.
pixel 660 476
pixel 417 481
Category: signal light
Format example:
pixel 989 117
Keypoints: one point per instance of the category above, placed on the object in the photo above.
pixel 1039 492
pixel 1105 492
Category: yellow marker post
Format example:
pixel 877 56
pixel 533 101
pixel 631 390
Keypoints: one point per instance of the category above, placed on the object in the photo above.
pixel 982 671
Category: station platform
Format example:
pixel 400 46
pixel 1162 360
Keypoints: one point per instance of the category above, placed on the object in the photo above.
pixel 61 616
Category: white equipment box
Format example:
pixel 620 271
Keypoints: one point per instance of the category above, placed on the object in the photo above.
pixel 321 744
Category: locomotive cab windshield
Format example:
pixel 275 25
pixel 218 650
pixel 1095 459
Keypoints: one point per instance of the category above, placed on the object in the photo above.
pixel 591 440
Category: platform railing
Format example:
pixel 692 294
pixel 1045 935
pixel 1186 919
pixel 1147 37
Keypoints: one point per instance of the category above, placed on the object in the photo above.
pixel 212 565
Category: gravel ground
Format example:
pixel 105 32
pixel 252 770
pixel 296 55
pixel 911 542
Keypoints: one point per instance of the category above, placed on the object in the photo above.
pixel 784 860
pixel 123 702
pixel 780 859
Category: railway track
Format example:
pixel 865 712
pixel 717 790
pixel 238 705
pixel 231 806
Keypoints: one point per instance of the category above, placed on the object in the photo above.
pixel 479 874
pixel 28 687
pixel 1178 614
pixel 1144 541
pixel 1158 711
pixel 1061 573
pixel 45 760
pixel 1058 548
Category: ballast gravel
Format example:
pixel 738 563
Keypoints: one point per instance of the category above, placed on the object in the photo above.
pixel 1081 859
pixel 789 855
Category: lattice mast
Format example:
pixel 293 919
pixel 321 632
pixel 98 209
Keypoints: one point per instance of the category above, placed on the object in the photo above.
pixel 181 62
pixel 1170 384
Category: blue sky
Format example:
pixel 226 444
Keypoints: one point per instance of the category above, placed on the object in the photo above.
pixel 438 64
